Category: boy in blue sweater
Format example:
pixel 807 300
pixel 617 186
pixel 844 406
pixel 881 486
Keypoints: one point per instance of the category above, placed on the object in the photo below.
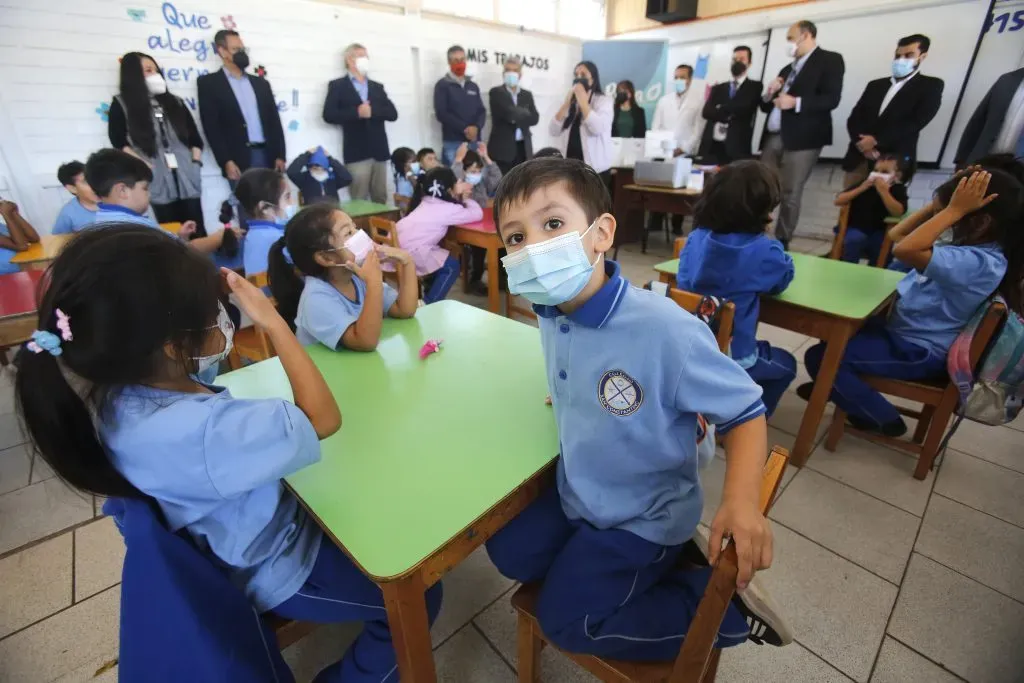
pixel 80 211
pixel 628 373
pixel 318 176
pixel 729 255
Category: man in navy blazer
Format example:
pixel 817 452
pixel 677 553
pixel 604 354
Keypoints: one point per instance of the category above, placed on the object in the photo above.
pixel 361 106
pixel 458 106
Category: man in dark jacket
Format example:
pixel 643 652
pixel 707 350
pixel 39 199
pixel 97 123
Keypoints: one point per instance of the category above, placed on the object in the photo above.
pixel 997 125
pixel 890 114
pixel 512 115
pixel 458 106
pixel 239 113
pixel 361 106
pixel 730 111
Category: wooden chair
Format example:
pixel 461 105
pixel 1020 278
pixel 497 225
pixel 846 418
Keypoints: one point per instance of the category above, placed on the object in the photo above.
pixel 938 398
pixel 251 343
pixel 383 231
pixel 837 241
pixel 288 632
pixel 402 202
pixel 691 301
pixel 698 659
pixel 677 246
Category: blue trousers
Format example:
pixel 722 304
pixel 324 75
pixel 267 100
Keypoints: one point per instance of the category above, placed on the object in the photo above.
pixel 441 280
pixel 338 591
pixel 774 371
pixel 859 243
pixel 606 592
pixel 448 149
pixel 875 351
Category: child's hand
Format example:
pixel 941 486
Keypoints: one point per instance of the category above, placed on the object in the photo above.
pixel 394 254
pixel 253 301
pixel 460 153
pixel 547 400
pixel 881 184
pixel 370 270
pixel 743 522
pixel 187 229
pixel 969 194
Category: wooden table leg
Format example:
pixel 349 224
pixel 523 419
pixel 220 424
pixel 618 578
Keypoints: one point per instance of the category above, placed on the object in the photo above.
pixel 834 349
pixel 494 281
pixel 410 629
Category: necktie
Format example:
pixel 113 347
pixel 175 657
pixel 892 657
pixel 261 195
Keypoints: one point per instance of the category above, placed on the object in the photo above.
pixel 732 89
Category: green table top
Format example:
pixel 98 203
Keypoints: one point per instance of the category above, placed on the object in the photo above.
pixel 426 446
pixel 846 290
pixel 360 207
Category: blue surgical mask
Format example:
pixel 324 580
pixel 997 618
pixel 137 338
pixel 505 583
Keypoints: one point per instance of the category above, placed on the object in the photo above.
pixel 511 79
pixel 414 168
pixel 474 178
pixel 680 84
pixel 289 211
pixel 903 67
pixel 552 272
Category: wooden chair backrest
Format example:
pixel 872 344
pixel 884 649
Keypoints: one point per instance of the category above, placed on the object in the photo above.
pixel 690 302
pixel 384 231
pixel 402 202
pixel 677 246
pixel 699 644
pixel 837 241
pixel 258 279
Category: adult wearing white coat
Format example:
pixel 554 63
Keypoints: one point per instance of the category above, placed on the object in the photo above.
pixel 583 124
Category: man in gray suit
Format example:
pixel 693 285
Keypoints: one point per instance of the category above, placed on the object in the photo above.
pixel 997 125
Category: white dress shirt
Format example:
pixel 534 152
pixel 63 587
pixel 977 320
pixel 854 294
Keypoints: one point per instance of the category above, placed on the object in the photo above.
pixel 775 116
pixel 681 114
pixel 893 89
pixel 514 92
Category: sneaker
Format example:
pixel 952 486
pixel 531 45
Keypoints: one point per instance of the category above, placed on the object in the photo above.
pixel 758 609
pixel 804 390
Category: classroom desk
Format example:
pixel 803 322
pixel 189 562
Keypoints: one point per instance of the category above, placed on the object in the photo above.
pixel 483 234
pixel 360 210
pixel 18 306
pixel 39 256
pixel 426 466
pixel 631 197
pixel 172 227
pixel 829 300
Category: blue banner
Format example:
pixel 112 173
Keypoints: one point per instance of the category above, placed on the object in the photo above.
pixel 642 62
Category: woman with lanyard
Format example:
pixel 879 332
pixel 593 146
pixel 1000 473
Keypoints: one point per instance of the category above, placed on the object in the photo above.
pixel 156 126
pixel 583 124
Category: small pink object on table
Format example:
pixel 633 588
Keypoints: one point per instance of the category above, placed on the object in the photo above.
pixel 432 346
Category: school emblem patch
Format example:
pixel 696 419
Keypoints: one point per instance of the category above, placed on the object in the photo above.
pixel 619 393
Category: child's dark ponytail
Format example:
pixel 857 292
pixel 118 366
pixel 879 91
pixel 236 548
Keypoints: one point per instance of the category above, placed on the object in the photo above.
pixel 285 283
pixel 308 232
pixel 438 183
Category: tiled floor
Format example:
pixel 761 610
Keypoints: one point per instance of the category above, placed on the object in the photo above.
pixel 884 578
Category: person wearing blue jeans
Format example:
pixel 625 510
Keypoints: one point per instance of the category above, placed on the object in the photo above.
pixel 437 285
pixel 458 106
pixel 859 243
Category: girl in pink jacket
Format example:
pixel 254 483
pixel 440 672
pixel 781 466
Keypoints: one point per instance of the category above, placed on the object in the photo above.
pixel 439 201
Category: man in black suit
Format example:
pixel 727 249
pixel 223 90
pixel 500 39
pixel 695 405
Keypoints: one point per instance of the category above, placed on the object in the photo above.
pixel 730 111
pixel 997 125
pixel 799 105
pixel 890 114
pixel 512 115
pixel 361 106
pixel 239 113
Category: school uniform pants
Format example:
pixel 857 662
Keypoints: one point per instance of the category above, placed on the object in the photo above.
pixel 774 370
pixel 369 180
pixel 794 167
pixel 605 592
pixel 437 285
pixel 862 243
pixel 338 591
pixel 875 351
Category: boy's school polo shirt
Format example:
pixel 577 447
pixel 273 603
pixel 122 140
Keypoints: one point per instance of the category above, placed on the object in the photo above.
pixel 629 371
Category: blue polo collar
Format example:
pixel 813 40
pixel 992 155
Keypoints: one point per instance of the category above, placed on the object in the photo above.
pixel 264 225
pixel 599 309
pixel 117 208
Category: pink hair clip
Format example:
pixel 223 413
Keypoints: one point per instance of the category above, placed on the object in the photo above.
pixel 432 346
pixel 64 325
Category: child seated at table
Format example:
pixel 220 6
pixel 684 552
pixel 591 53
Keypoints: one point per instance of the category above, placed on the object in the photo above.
pixel 439 201
pixel 883 194
pixel 212 463
pixel 427 159
pixel 318 176
pixel 16 235
pixel 729 255
pixel 477 169
pixel 985 208
pixel 80 210
pixel 325 275
pixel 267 200
pixel 628 371
pixel 121 181
pixel 406 169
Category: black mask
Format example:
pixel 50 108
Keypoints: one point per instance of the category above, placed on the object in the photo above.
pixel 582 81
pixel 621 97
pixel 241 59
pixel 738 69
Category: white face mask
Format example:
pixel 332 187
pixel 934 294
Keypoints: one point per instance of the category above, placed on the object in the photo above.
pixel 156 84
pixel 320 176
pixel 887 177
pixel 360 244
pixel 363 65
pixel 791 48
pixel 227 328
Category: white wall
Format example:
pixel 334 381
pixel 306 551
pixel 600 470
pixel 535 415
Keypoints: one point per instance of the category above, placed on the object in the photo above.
pixel 58 67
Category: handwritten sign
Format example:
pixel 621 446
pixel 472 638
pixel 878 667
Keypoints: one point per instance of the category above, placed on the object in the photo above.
pixel 484 57
pixel 174 40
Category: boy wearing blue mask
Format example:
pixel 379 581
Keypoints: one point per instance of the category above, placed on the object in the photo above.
pixel 318 176
pixel 629 372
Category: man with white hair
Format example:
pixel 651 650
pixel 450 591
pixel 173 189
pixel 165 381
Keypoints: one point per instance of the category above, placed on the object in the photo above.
pixel 512 115
pixel 361 106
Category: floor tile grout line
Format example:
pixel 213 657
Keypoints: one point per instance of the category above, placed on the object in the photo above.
pixel 476 627
pixel 990 462
pixel 807 647
pixel 73 538
pixel 43 539
pixel 839 555
pixel 60 611
pixel 979 510
pixel 478 613
pixel 968 577
pixel 926 657
pixel 871 495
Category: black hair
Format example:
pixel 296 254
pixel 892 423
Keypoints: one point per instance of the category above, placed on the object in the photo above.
pixel 744 48
pixel 1004 224
pixel 424 152
pixel 548 152
pixel 472 158
pixel 220 38
pixel 582 182
pixel 739 198
pixel 631 90
pixel 806 26
pixel 67 173
pixel 308 232
pixel 259 185
pixel 922 40
pixel 128 292
pixel 399 158
pixel 689 69
pixel 108 167
pixel 905 165
pixel 442 177
pixel 1004 162
pixel 595 89
pixel 453 49
pixel 139 110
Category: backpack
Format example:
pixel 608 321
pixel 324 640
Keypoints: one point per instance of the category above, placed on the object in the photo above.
pixel 995 395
